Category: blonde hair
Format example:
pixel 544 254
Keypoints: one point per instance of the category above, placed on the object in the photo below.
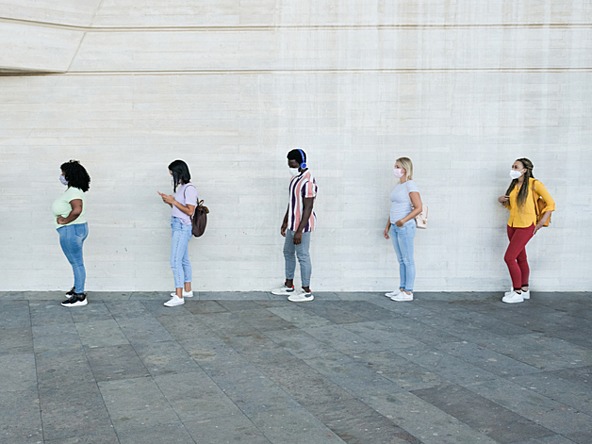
pixel 408 165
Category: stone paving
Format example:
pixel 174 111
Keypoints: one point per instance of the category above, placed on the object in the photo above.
pixel 254 368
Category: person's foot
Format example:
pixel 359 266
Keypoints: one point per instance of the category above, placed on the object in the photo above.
pixel 525 294
pixel 76 300
pixel 403 297
pixel 304 296
pixel 186 294
pixel 513 298
pixel 390 294
pixel 283 291
pixel 174 301
pixel 70 293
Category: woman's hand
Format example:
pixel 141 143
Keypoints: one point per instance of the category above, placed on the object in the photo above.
pixel 503 199
pixel 386 233
pixel 400 223
pixel 167 198
pixel 61 220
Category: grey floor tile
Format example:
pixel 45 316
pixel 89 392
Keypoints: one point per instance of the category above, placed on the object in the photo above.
pixel 15 314
pixel 344 340
pixel 17 372
pixel 165 357
pixel 101 333
pixel 294 425
pixel 136 403
pixel 175 433
pixel 127 309
pixel 356 422
pixel 20 417
pixel 95 311
pixel 425 421
pixel 482 414
pixel 493 361
pixel 403 372
pixel 54 337
pixel 115 362
pixel 104 435
pixel 299 317
pixel 49 312
pixel 227 430
pixel 143 330
pixel 12 339
pixel 544 411
pixel 194 396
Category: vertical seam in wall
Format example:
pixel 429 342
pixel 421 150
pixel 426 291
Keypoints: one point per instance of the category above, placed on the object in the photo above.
pixel 92 20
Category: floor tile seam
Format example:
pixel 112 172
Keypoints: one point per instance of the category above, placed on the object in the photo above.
pixel 535 370
pixel 509 409
pixel 85 350
pixel 475 426
pixel 533 418
pixel 37 391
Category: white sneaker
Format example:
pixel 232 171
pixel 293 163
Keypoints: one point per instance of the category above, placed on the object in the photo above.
pixel 525 294
pixel 301 297
pixel 513 298
pixel 186 294
pixel 402 297
pixel 283 291
pixel 174 301
pixel 390 294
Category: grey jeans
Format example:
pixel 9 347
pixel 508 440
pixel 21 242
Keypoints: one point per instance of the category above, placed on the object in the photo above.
pixel 300 251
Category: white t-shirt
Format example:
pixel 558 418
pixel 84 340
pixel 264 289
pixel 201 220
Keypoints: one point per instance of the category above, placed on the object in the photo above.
pixel 400 200
pixel 186 195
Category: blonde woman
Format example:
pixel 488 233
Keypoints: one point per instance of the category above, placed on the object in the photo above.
pixel 522 224
pixel 400 227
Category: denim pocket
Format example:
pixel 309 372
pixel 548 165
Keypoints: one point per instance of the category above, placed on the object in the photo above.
pixel 80 230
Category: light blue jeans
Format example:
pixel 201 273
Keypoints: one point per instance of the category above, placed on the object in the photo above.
pixel 302 252
pixel 181 234
pixel 72 239
pixel 402 238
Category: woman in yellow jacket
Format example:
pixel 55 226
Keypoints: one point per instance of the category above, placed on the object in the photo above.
pixel 520 199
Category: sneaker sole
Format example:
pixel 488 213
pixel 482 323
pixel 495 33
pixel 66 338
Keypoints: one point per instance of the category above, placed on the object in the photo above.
pixel 76 304
pixel 302 300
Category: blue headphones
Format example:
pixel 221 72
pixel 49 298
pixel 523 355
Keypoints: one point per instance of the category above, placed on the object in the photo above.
pixel 303 156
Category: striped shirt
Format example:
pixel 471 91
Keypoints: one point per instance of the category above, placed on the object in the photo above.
pixel 301 186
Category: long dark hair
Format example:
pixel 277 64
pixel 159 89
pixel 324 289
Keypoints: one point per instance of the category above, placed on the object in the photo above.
pixel 181 174
pixel 76 175
pixel 523 192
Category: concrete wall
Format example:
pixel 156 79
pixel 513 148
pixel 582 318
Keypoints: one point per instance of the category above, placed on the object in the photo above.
pixel 462 87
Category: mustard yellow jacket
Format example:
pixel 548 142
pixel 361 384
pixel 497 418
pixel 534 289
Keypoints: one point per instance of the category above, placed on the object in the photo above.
pixel 525 215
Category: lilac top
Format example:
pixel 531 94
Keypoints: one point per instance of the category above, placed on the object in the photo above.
pixel 186 194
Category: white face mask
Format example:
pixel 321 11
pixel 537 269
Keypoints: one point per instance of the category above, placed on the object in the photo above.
pixel 515 174
pixel 63 180
pixel 398 172
pixel 294 171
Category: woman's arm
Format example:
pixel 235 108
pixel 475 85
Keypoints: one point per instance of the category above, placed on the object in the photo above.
pixel 416 202
pixel 76 205
pixel 170 200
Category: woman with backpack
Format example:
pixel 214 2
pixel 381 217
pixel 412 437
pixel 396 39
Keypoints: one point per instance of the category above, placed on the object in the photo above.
pixel 69 215
pixel 522 200
pixel 183 203
pixel 401 227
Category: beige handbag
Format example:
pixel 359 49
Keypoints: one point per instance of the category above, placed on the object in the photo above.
pixel 421 220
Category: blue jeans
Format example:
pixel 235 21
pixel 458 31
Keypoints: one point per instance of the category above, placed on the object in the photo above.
pixel 181 233
pixel 402 238
pixel 301 251
pixel 72 239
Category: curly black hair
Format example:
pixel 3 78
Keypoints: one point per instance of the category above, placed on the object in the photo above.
pixel 76 175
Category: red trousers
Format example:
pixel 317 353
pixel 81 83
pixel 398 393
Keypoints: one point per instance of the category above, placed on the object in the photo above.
pixel 515 256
